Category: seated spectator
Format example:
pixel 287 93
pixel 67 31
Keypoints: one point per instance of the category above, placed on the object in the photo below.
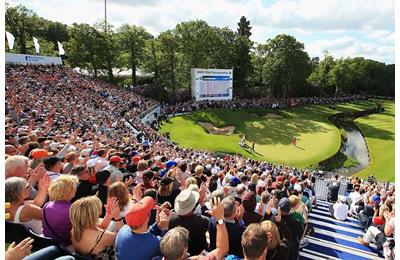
pixel 291 229
pixel 277 249
pixel 72 158
pixel 263 204
pixel 232 213
pixel 103 179
pixel 53 166
pixel 297 209
pixel 198 174
pixel 174 245
pixel 185 204
pixel 354 197
pixel 366 214
pixel 113 168
pixel 55 214
pixel 249 204
pixel 340 209
pixel 22 212
pixel 121 193
pixel 88 235
pixel 255 243
pixel 166 192
pixel 84 187
pixel 380 234
pixel 136 238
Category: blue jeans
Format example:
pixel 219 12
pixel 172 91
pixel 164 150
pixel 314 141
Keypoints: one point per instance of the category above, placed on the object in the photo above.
pixel 50 252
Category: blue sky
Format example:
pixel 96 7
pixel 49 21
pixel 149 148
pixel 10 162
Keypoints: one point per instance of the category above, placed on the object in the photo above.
pixel 345 28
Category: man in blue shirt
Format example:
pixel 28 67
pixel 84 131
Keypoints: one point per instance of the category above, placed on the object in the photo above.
pixel 136 240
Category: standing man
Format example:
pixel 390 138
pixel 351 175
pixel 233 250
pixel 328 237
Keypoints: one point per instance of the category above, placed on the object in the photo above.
pixel 294 141
pixel 253 144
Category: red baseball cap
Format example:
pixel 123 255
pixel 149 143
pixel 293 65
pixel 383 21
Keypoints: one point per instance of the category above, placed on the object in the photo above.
pixel 115 159
pixel 135 159
pixel 293 180
pixel 40 153
pixel 279 179
pixel 139 212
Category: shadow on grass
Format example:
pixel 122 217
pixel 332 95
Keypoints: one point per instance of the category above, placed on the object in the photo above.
pixel 374 132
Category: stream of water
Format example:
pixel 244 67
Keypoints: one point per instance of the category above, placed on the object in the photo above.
pixel 356 148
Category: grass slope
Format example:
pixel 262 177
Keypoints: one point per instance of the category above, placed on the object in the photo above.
pixel 317 138
pixel 379 132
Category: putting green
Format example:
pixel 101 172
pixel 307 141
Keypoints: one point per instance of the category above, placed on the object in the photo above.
pixel 379 132
pixel 317 137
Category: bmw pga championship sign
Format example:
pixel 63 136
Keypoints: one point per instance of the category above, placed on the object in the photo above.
pixel 212 84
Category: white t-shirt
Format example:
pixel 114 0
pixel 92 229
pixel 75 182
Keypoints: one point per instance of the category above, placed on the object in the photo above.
pixel 355 197
pixel 263 206
pixel 340 211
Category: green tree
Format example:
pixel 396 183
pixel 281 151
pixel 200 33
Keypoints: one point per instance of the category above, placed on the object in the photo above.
pixel 258 59
pixel 244 28
pixel 320 75
pixel 133 39
pixel 169 60
pixel 84 48
pixel 287 67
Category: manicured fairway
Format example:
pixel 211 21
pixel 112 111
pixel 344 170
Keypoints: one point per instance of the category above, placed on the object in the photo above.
pixel 378 130
pixel 317 138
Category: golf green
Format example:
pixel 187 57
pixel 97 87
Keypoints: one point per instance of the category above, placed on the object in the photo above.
pixel 272 131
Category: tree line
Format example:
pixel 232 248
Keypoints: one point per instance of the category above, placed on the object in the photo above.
pixel 279 67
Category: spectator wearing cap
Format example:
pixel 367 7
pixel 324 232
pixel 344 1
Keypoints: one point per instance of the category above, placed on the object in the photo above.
pixel 53 166
pixel 185 204
pixel 249 204
pixel 233 213
pixel 136 238
pixel 291 229
pixel 84 187
pixel 175 244
pixel 115 163
pixel 340 209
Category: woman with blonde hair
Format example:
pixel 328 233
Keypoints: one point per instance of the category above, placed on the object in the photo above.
pixel 277 249
pixel 88 235
pixel 55 214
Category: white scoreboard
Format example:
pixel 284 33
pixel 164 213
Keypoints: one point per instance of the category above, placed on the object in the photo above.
pixel 212 84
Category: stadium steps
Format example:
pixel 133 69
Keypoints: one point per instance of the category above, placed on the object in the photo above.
pixel 335 239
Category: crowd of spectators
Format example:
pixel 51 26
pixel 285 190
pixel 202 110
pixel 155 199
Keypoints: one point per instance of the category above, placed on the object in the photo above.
pixel 266 103
pixel 76 175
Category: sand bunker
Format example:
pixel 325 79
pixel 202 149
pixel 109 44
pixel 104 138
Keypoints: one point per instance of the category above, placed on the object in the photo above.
pixel 227 130
pixel 272 116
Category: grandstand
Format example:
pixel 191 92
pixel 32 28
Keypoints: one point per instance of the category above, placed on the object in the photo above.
pixel 55 109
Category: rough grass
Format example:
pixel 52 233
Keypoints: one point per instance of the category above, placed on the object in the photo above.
pixel 317 138
pixel 379 133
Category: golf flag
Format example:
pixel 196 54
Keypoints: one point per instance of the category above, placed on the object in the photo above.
pixel 10 40
pixel 37 46
pixel 60 48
